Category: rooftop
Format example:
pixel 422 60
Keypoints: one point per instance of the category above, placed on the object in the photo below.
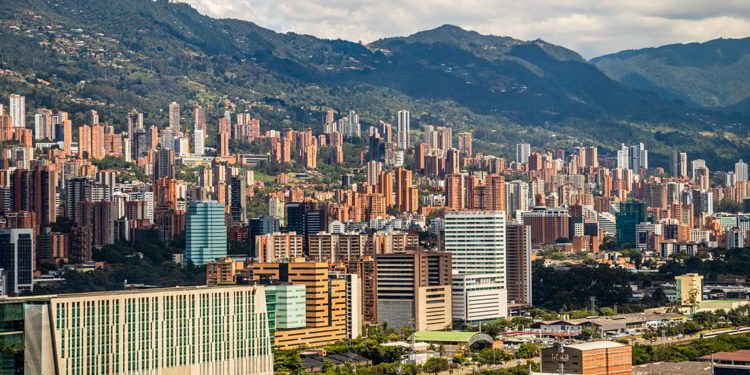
pixel 445 336
pixel 596 345
pixel 48 297
pixel 669 368
pixel 738 356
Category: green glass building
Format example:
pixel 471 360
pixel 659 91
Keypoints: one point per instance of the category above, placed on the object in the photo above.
pixel 631 213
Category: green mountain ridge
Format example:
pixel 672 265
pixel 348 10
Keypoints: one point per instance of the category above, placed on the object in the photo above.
pixel 114 55
pixel 714 74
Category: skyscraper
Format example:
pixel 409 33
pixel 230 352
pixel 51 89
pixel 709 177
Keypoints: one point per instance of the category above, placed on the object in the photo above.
pixel 740 171
pixel 174 117
pixel 523 151
pixel 206 232
pixel 403 129
pixel 518 243
pixel 638 157
pixel 476 240
pixel 18 110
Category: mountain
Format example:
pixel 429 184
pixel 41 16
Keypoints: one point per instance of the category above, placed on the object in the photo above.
pixel 714 74
pixel 114 55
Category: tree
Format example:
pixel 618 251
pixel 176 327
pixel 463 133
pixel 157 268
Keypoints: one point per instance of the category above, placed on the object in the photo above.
pixel 436 364
pixel 528 350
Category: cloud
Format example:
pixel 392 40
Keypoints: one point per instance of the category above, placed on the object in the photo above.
pixel 588 26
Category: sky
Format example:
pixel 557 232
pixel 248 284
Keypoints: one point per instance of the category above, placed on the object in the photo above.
pixel 590 27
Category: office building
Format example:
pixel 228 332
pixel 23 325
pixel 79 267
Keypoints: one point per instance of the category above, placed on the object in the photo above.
pixel 183 330
pixel 478 297
pixel 325 301
pixel 414 290
pixel 631 214
pixel 476 240
pixel 206 233
pixel 287 304
pixel 17 259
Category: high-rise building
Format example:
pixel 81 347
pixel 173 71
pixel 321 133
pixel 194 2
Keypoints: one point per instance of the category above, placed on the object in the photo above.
pixel 523 151
pixel 547 224
pixel 414 288
pixel 403 129
pixel 151 331
pixel 518 261
pixel 238 198
pixel 199 119
pixel 18 110
pixel 476 240
pixel 199 142
pixel 455 192
pixel 465 143
pixel 638 157
pixel 174 116
pixel 631 214
pixel 678 164
pixel 206 232
pixel 740 171
pixel 17 259
pixel 164 164
pixel 325 300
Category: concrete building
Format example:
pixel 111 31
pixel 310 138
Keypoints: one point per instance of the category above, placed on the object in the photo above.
pixel 149 331
pixel 476 240
pixel 414 288
pixel 547 224
pixel 325 302
pixel 598 357
pixel 478 297
pixel 206 232
pixel 518 263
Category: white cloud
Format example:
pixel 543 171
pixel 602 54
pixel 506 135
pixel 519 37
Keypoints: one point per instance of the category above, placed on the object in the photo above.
pixel 591 27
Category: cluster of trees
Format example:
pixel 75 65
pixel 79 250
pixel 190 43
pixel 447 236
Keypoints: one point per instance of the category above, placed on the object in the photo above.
pixel 704 320
pixel 721 262
pixel 571 289
pixel 150 264
pixel 686 352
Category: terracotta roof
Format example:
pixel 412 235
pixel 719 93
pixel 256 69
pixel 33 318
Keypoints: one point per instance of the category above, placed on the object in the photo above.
pixel 738 356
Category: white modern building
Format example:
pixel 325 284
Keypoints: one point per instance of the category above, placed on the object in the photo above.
pixel 181 330
pixel 476 241
pixel 478 297
pixel 18 110
pixel 523 151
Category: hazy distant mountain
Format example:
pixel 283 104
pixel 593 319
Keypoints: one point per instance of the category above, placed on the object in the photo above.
pixel 113 55
pixel 714 74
